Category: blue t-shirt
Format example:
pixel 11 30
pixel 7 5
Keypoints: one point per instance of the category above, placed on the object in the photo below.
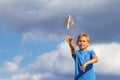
pixel 80 58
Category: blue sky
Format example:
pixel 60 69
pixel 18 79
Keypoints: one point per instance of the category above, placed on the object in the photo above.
pixel 32 45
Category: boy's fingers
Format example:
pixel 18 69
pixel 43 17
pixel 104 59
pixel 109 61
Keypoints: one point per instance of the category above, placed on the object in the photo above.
pixel 68 38
pixel 83 69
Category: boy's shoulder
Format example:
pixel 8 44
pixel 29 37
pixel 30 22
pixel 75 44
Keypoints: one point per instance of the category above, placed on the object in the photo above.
pixel 91 52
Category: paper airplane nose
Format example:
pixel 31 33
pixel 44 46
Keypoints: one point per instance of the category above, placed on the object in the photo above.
pixel 68 23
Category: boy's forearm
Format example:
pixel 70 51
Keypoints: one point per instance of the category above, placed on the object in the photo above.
pixel 72 47
pixel 93 60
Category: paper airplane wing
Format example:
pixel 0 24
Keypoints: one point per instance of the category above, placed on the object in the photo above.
pixel 68 22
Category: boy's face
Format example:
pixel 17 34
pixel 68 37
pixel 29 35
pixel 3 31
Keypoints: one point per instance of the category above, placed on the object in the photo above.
pixel 83 43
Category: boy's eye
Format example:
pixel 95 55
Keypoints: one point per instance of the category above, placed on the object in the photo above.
pixel 81 41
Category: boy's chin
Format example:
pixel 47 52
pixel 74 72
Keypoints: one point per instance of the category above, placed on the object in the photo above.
pixel 82 49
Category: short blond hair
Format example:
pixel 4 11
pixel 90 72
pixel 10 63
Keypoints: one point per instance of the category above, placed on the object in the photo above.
pixel 85 35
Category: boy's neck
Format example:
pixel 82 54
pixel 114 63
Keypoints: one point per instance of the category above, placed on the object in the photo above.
pixel 83 50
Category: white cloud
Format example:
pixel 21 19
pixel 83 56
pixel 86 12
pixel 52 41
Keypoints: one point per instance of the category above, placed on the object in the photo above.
pixel 27 76
pixel 17 59
pixel 29 37
pixel 54 60
pixel 36 77
pixel 38 35
pixel 48 65
pixel 24 76
pixel 109 58
pixel 11 66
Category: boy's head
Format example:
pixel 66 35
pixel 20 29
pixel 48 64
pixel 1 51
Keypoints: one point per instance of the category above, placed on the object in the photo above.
pixel 83 41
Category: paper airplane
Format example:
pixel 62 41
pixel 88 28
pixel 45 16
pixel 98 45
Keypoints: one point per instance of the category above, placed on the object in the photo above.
pixel 68 23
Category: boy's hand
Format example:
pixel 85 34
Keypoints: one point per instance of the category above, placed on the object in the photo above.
pixel 83 67
pixel 70 42
pixel 68 39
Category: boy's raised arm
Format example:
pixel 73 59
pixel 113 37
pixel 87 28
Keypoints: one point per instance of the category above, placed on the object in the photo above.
pixel 70 42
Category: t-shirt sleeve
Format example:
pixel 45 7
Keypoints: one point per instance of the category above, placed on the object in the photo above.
pixel 92 53
pixel 74 56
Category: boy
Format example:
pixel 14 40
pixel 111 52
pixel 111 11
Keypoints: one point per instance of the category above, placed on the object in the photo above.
pixel 84 58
